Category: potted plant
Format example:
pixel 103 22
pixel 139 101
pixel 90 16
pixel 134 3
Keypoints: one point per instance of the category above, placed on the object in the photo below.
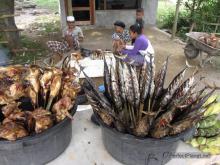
pixel 141 120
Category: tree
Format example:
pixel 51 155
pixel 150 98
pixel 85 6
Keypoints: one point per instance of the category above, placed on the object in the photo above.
pixel 178 3
pixel 7 23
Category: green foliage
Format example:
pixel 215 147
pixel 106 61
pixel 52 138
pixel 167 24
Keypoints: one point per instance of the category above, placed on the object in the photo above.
pixel 164 13
pixel 203 10
pixel 28 57
pixel 191 11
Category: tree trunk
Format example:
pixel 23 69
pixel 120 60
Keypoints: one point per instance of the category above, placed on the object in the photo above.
pixel 7 8
pixel 176 19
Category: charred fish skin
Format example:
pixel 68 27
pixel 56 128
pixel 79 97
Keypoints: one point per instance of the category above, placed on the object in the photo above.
pixel 143 80
pixel 122 81
pixel 150 87
pixel 115 89
pixel 172 88
pixel 159 81
pixel 141 105
pixel 107 80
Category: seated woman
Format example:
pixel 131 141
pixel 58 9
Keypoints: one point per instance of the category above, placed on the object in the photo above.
pixel 141 48
pixel 120 36
pixel 72 36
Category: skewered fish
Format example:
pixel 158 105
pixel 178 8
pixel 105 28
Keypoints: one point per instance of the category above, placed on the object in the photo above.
pixel 42 119
pixel 147 109
pixel 19 82
pixel 45 82
pixel 12 131
pixel 55 87
pixel 61 108
pixel 16 90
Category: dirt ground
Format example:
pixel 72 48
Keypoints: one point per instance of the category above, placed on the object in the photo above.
pixel 101 39
pixel 96 38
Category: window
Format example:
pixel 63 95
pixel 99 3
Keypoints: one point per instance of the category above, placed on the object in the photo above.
pixel 117 4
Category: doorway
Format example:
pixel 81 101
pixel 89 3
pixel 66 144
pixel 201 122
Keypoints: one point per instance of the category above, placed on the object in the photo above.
pixel 84 11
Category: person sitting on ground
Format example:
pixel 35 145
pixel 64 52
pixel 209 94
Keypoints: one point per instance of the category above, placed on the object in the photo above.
pixel 120 36
pixel 72 35
pixel 141 49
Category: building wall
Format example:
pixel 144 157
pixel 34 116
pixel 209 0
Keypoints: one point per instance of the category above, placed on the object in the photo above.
pixel 150 9
pixel 106 18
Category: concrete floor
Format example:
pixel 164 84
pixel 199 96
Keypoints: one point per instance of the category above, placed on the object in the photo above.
pixel 86 147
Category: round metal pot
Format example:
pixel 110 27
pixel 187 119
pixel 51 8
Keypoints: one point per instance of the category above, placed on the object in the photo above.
pixel 40 148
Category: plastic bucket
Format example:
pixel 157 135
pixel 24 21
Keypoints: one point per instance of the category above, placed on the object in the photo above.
pixel 131 150
pixel 40 148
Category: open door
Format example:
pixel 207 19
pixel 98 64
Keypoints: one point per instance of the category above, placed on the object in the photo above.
pixel 84 11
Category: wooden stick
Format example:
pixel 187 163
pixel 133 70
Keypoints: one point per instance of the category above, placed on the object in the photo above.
pixel 24 50
pixel 3 42
pixel 8 16
pixel 10 30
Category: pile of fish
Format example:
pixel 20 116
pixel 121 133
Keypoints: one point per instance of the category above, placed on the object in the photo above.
pixel 50 92
pixel 211 40
pixel 207 137
pixel 136 102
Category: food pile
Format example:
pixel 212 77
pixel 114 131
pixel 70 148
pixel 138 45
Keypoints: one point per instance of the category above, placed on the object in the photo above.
pixel 33 99
pixel 211 40
pixel 136 102
pixel 207 137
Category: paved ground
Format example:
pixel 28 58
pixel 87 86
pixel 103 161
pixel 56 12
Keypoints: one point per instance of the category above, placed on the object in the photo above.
pixel 86 147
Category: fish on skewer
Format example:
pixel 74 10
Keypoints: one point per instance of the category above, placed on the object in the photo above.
pixel 32 95
pixel 150 87
pixel 5 99
pixel 54 87
pixel 45 82
pixel 16 91
pixel 97 108
pixel 33 79
pixel 107 80
pixel 101 97
pixel 14 72
pixel 12 131
pixel 70 89
pixel 114 88
pixel 42 119
pixel 172 88
pixel 10 108
pixel 61 108
pixel 159 82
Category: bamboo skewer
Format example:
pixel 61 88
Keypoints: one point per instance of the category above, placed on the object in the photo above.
pixel 8 16
pixel 10 30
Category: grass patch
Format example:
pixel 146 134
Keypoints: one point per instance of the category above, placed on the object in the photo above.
pixel 52 5
pixel 28 57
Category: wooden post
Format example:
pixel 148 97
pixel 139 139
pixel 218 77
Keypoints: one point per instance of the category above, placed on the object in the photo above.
pixel 70 8
pixel 178 3
pixel 7 10
pixel 92 11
